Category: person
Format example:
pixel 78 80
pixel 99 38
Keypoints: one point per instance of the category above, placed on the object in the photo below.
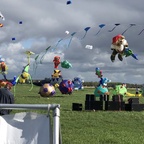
pixel 6 97
pixel 137 90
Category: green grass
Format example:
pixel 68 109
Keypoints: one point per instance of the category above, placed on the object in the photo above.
pixel 88 127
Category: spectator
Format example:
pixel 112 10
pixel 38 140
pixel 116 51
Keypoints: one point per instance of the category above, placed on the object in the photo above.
pixel 6 97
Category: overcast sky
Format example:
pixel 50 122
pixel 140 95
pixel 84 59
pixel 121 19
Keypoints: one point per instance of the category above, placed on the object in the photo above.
pixel 44 23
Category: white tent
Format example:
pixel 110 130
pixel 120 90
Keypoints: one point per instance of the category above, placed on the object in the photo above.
pixel 30 127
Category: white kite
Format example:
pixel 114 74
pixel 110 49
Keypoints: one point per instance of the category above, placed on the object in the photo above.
pixel 89 47
pixel 67 32
pixel 1 16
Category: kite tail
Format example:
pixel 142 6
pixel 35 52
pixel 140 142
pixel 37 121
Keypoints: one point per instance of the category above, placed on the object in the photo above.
pixel 98 32
pixel 141 32
pixel 111 29
pixel 31 83
pixel 69 42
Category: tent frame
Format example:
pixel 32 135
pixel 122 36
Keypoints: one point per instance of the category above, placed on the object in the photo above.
pixel 56 115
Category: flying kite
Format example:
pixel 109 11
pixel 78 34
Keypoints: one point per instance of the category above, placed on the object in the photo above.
pixel 128 28
pixel 117 24
pixel 71 39
pixel 1 16
pixel 13 39
pixel 129 52
pixel 67 32
pixel 98 72
pixel 38 56
pixel 1 25
pixel 20 22
pixel 25 76
pixel 56 61
pixel 29 53
pixel 120 47
pixel 66 64
pixel 89 47
pixel 69 2
pixel 100 26
pixel 86 30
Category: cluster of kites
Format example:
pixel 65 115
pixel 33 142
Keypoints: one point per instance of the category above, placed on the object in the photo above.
pixel 66 86
pixel 119 47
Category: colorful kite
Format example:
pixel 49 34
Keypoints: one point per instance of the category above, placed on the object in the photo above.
pixel 1 25
pixel 129 52
pixel 29 53
pixel 56 61
pixel 25 76
pixel 98 72
pixel 66 64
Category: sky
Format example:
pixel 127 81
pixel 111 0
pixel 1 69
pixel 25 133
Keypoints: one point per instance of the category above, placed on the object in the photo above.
pixel 44 23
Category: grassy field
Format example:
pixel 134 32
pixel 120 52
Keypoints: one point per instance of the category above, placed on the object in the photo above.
pixel 88 127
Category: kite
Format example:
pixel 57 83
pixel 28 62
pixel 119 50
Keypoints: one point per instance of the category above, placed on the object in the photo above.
pixel 117 24
pixel 98 72
pixel 86 30
pixel 100 26
pixel 20 22
pixel 119 43
pixel 68 2
pixel 1 16
pixel 29 53
pixel 89 47
pixel 57 44
pixel 3 68
pixel 141 32
pixel 13 39
pixel 102 89
pixel 1 25
pixel 67 32
pixel 56 61
pixel 129 52
pixel 66 64
pixel 78 83
pixel 128 28
pixel 25 76
pixel 44 53
pixel 66 87
pixel 71 39
pixel 47 90
pixel 41 58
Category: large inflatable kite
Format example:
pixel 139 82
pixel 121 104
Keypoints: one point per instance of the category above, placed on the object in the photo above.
pixel 56 61
pixel 78 83
pixel 120 46
pixel 102 89
pixel 47 90
pixel 66 87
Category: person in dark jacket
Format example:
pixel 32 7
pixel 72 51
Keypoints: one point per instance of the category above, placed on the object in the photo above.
pixel 6 97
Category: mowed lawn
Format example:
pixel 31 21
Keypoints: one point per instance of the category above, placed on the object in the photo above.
pixel 88 127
